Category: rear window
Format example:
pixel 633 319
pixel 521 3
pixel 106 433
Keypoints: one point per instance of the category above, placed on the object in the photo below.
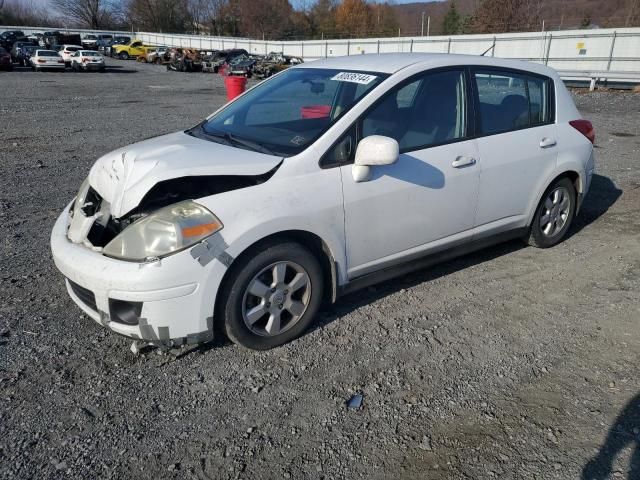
pixel 90 54
pixel 72 49
pixel 47 53
pixel 511 101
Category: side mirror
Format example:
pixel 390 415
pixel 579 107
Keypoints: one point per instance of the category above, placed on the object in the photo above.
pixel 373 150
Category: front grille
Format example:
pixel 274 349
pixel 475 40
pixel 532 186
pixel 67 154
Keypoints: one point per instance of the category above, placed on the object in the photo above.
pixel 86 296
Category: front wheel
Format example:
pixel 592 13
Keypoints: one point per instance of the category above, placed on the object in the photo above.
pixel 272 297
pixel 123 56
pixel 554 214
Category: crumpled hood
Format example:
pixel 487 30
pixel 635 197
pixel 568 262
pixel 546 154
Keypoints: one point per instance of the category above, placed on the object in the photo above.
pixel 124 176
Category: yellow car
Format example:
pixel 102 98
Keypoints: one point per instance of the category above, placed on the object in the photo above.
pixel 132 49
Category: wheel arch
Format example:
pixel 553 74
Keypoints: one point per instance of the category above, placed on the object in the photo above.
pixel 575 179
pixel 312 241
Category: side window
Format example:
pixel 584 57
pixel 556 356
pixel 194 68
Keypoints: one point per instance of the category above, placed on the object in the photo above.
pixel 538 97
pixel 430 110
pixel 343 151
pixel 510 101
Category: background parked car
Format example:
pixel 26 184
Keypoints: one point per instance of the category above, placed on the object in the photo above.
pixel 16 51
pixel 46 60
pixel 5 60
pixel 59 38
pixel 26 52
pixel 155 55
pixel 221 57
pixel 115 41
pixel 8 38
pixel 35 38
pixel 89 41
pixel 87 60
pixel 104 39
pixel 66 51
pixel 129 50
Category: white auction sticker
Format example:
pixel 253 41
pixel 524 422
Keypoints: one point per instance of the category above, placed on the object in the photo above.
pixel 354 77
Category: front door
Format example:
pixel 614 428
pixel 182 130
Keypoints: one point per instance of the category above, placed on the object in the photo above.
pixel 428 197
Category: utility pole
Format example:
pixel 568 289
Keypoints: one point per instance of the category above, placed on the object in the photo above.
pixel 428 25
pixel 422 26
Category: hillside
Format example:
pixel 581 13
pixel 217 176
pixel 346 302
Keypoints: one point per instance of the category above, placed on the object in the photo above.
pixel 561 14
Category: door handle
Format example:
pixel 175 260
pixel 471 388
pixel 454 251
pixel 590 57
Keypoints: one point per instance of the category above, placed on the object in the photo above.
pixel 463 161
pixel 547 142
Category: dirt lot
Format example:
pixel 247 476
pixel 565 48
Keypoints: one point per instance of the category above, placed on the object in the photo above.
pixel 511 363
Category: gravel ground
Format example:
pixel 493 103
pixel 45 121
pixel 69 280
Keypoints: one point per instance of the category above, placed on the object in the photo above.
pixel 513 362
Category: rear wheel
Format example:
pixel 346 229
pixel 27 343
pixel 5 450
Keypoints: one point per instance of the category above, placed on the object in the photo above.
pixel 554 214
pixel 271 297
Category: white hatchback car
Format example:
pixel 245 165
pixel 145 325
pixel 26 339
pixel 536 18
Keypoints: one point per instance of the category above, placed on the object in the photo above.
pixel 87 60
pixel 327 177
pixel 67 51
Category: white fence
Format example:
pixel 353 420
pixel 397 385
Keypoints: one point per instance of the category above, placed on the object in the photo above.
pixel 606 50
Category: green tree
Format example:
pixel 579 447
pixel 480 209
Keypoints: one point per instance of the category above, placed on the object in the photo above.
pixel 452 23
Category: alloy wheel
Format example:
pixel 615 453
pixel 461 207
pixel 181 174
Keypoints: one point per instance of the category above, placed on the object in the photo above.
pixel 555 214
pixel 276 298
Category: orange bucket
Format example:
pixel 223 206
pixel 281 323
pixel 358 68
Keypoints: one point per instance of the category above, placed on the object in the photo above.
pixel 235 86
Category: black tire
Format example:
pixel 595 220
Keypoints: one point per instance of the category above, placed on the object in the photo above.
pixel 243 272
pixel 123 56
pixel 537 237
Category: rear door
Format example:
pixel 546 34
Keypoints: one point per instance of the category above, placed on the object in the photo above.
pixel 517 143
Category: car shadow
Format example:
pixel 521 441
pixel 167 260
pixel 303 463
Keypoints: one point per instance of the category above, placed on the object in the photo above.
pixel 625 432
pixel 120 70
pixel 360 298
pixel 603 193
pixel 411 170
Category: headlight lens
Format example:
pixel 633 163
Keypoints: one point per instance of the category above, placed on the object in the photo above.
pixel 165 231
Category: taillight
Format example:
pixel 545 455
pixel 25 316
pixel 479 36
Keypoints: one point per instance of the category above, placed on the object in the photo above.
pixel 61 61
pixel 41 61
pixel 85 60
pixel 585 128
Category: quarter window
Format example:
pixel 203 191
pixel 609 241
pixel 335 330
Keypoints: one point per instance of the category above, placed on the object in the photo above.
pixel 511 101
pixel 430 110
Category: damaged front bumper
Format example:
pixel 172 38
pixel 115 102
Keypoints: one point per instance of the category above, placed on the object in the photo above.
pixel 167 302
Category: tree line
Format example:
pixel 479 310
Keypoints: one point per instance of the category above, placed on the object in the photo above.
pixel 278 20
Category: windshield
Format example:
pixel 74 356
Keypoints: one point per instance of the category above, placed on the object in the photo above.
pixel 286 114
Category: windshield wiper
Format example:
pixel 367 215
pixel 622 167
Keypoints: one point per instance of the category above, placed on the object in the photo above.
pixel 233 140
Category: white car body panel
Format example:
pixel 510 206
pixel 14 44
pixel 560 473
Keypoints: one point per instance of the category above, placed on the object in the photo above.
pixel 513 163
pixel 442 200
pixel 65 53
pixel 419 205
pixel 46 61
pixel 122 177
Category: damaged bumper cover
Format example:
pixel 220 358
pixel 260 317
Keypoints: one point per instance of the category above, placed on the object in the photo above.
pixel 177 303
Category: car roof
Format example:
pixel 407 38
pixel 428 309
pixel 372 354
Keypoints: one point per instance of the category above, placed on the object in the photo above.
pixel 394 62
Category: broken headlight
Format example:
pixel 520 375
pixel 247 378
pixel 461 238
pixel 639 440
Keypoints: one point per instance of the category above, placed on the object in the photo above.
pixel 163 232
